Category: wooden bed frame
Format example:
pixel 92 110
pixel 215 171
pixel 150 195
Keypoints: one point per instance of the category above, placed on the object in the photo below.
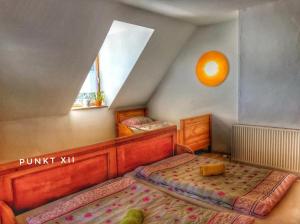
pixel 194 132
pixel 26 187
pixel 122 129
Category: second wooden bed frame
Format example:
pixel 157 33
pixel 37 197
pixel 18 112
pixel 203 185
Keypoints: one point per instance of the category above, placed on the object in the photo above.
pixel 193 133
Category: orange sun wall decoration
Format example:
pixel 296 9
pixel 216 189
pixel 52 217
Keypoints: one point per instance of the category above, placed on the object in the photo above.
pixel 212 68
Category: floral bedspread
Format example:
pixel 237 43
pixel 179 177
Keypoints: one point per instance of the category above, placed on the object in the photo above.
pixel 247 189
pixel 108 203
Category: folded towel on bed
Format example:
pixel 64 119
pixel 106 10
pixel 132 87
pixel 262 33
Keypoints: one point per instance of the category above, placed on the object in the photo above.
pixel 133 216
pixel 212 169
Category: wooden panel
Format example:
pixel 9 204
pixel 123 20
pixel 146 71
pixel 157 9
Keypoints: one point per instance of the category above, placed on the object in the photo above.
pixel 58 181
pixel 147 148
pixel 15 166
pixel 195 132
pixel 34 186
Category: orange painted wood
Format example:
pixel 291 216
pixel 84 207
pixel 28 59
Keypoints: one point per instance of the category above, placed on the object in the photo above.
pixel 125 114
pixel 6 214
pixel 147 148
pixel 52 182
pixel 195 132
pixel 14 166
pixel 30 186
pixel 124 130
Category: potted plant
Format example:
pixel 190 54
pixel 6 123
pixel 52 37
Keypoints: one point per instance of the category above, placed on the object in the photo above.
pixel 99 98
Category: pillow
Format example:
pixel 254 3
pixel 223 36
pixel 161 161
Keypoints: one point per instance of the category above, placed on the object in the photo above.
pixel 137 121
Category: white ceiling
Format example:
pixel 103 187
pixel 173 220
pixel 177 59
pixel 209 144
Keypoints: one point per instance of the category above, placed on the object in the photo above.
pixel 200 12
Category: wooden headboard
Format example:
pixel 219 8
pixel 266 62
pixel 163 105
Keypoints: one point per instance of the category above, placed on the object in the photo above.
pixel 125 114
pixel 195 132
pixel 27 187
pixel 145 148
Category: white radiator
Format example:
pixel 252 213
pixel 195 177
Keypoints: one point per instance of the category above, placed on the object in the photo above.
pixel 270 147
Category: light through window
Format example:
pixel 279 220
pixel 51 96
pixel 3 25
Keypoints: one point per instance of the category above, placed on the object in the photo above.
pixel 90 93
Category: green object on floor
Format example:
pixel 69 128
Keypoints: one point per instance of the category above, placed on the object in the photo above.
pixel 133 216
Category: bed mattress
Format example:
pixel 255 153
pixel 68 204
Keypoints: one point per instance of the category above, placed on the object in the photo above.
pixel 109 202
pixel 246 189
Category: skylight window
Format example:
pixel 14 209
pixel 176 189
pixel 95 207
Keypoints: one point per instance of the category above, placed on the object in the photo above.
pixel 120 52
pixel 90 84
pixel 90 94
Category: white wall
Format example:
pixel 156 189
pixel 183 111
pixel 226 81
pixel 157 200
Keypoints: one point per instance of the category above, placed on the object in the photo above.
pixel 270 65
pixel 180 94
pixel 32 137
pixel 120 51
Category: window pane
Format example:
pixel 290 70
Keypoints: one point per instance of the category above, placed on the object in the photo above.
pixel 90 84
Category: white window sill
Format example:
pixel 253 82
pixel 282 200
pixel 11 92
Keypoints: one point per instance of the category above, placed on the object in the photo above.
pixel 87 108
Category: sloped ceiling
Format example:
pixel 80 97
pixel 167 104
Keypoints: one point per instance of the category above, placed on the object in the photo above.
pixel 166 42
pixel 200 12
pixel 48 46
pixel 46 49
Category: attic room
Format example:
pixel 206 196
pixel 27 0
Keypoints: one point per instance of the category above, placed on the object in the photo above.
pixel 149 111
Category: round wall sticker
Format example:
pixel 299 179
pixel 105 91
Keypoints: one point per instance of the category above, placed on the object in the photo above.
pixel 212 68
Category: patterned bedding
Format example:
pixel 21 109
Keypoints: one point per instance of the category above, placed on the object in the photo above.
pixel 150 126
pixel 109 202
pixel 246 189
